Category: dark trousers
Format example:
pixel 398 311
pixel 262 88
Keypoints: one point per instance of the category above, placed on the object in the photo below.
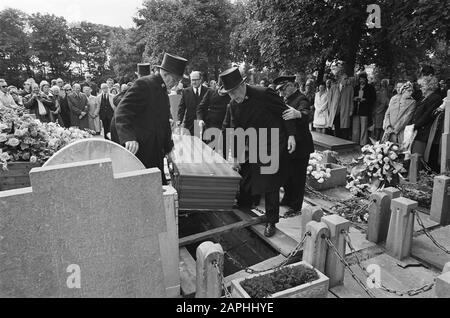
pixel 106 118
pixel 295 186
pixel 273 207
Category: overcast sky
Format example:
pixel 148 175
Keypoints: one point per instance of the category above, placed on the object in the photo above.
pixel 108 12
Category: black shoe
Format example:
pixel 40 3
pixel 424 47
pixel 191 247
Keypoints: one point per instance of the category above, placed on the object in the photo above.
pixel 270 230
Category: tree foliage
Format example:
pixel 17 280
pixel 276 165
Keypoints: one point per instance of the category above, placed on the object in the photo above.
pixel 198 30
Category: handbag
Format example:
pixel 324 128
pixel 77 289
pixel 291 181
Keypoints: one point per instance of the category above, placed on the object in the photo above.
pixel 41 109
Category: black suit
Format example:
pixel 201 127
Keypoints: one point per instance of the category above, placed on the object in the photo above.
pixel 263 108
pixel 295 185
pixel 187 110
pixel 143 116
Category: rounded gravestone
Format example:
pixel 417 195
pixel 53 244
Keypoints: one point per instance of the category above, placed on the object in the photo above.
pixel 94 149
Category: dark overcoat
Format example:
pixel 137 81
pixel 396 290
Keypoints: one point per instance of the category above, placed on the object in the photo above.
pixel 143 116
pixel 263 108
pixel 305 144
pixel 187 110
pixel 212 108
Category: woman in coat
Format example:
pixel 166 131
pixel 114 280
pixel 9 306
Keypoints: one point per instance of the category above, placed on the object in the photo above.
pixel 39 104
pixel 423 120
pixel 321 109
pixel 381 106
pixel 399 114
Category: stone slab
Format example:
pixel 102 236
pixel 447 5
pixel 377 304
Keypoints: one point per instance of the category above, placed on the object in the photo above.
pixel 65 228
pixel 359 241
pixel 443 286
pixel 392 276
pixel 424 249
pixel 93 149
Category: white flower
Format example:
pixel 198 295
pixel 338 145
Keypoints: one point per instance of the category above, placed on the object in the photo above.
pixel 33 159
pixel 328 171
pixel 3 138
pixel 13 142
pixel 321 180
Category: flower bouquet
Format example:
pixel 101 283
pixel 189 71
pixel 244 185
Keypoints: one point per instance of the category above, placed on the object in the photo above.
pixel 25 139
pixel 317 169
pixel 381 163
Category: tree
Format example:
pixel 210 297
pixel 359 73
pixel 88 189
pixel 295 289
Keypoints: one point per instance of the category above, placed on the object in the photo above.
pixel 198 30
pixel 125 52
pixel 51 44
pixel 92 42
pixel 14 45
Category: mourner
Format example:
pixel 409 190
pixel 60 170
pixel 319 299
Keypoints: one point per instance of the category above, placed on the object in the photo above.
pixel 106 101
pixel 212 110
pixel 300 111
pixel 190 99
pixel 260 108
pixel 141 121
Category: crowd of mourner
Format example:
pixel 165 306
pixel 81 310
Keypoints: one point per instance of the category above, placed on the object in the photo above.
pixel 348 106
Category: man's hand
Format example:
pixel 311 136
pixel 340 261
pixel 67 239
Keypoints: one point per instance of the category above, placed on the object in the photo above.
pixel 291 113
pixel 292 145
pixel 201 123
pixel 132 146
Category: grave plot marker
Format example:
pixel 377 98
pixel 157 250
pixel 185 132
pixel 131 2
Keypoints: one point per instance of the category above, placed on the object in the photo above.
pixel 401 227
pixel 66 238
pixel 334 269
pixel 440 203
pixel 379 217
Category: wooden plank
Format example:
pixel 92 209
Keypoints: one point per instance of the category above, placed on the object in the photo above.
pixel 224 229
pixel 187 273
pixel 281 242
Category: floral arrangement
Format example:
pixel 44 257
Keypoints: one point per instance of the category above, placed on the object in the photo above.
pixel 23 138
pixel 316 169
pixel 381 161
pixel 356 186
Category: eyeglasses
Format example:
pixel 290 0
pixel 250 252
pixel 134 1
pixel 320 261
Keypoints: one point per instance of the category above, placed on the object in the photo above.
pixel 3 86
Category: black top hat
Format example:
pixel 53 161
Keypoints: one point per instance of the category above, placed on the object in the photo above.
pixel 282 81
pixel 230 79
pixel 143 69
pixel 173 64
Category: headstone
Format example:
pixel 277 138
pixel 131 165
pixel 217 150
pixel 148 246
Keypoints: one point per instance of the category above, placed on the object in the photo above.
pixel 125 161
pixel 440 203
pixel 379 217
pixel 334 269
pixel 445 154
pixel 81 231
pixel 414 167
pixel 393 193
pixel 209 275
pixel 401 227
pixel 315 251
pixel 442 287
pixel 93 149
pixel 309 214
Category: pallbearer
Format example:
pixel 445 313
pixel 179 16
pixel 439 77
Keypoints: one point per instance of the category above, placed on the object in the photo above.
pixel 300 111
pixel 141 121
pixel 255 110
